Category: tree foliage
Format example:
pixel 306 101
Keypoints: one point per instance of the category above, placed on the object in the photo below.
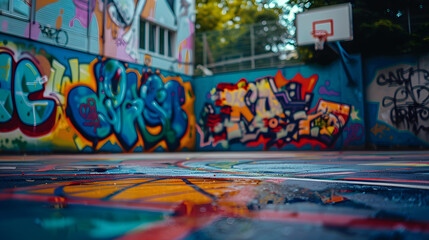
pixel 226 25
pixel 228 14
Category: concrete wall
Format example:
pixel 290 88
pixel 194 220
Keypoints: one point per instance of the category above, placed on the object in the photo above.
pixel 54 99
pixel 301 107
pixel 397 101
pixel 57 100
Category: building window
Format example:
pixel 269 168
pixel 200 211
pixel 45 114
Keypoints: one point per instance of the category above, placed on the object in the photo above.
pixel 19 8
pixel 170 41
pixel 161 41
pixel 156 39
pixel 152 37
pixel 142 42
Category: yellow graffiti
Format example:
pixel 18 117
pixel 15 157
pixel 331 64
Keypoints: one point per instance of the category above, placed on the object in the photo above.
pixel 354 114
pixel 5 69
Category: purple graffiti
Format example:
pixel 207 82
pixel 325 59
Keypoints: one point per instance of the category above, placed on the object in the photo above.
pixel 354 133
pixel 325 91
pixel 120 42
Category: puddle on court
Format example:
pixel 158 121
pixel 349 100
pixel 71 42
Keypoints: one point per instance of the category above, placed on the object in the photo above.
pixel 106 207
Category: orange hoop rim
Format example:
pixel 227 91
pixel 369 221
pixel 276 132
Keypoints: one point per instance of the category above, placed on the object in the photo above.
pixel 320 34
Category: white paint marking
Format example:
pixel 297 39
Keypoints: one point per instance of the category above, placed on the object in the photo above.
pixel 7 168
pixel 384 184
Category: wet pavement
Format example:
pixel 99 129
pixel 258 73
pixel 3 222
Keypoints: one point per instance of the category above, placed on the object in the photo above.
pixel 241 195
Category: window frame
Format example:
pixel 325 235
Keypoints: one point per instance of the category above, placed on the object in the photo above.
pixel 11 13
pixel 167 46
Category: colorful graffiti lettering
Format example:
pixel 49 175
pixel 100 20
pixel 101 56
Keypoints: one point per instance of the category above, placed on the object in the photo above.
pixel 23 103
pixel 124 102
pixel 271 111
pixel 90 105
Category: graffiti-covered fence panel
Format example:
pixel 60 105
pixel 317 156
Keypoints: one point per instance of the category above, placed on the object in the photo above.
pixel 398 101
pixel 316 108
pixel 58 100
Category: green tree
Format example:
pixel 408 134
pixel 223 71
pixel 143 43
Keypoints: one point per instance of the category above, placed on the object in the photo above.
pixel 228 14
pixel 226 24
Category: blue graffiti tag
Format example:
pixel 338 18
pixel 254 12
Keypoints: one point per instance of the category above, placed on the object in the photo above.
pixel 120 108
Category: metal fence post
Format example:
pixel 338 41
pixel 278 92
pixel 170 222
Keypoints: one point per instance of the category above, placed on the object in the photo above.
pixel 204 49
pixel 252 45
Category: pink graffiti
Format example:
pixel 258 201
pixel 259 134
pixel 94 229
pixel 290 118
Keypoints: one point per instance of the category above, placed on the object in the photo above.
pixel 4 26
pixel 35 30
pixel 187 43
pixel 83 8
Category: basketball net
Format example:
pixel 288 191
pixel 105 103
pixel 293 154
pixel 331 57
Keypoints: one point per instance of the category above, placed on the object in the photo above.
pixel 321 36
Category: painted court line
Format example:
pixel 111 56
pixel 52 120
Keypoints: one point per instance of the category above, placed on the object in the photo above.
pixel 384 184
pixel 323 174
pixel 388 180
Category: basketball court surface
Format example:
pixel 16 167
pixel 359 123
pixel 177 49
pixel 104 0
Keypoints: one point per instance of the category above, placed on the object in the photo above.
pixel 219 195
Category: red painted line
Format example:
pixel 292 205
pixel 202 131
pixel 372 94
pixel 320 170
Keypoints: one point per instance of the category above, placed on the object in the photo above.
pixel 174 228
pixel 5 196
pixel 56 184
pixel 342 221
pixel 387 180
pixel 91 202
pixel 47 168
pixel 65 175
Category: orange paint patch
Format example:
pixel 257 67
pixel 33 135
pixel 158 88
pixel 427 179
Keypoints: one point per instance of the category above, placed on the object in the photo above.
pixel 306 83
pixel 42 3
pixel 154 130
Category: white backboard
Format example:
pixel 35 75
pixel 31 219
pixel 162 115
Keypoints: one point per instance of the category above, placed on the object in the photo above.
pixel 335 21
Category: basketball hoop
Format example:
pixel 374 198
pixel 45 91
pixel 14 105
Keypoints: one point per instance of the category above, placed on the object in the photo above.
pixel 325 24
pixel 321 36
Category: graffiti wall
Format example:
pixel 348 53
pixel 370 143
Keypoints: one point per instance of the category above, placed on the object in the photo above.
pixel 132 26
pixel 155 33
pixel 304 107
pixel 397 95
pixel 54 99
